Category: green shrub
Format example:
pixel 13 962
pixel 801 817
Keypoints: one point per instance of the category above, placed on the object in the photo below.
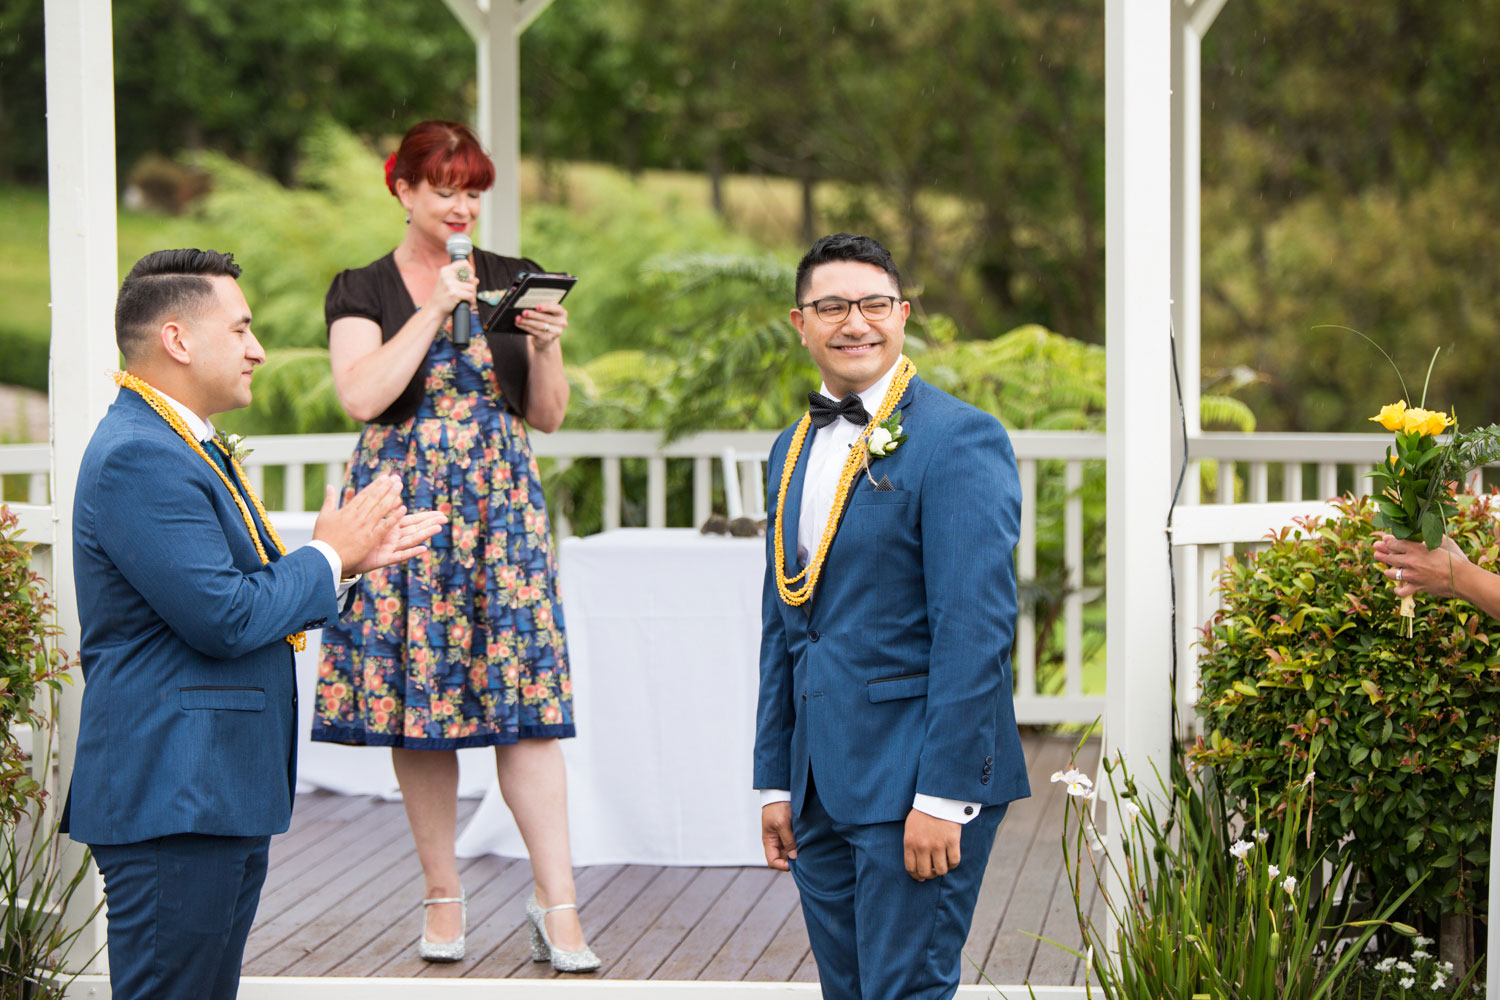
pixel 31 667
pixel 25 357
pixel 1305 658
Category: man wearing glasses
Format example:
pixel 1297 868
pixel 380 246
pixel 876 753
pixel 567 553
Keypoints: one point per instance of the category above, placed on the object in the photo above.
pixel 886 747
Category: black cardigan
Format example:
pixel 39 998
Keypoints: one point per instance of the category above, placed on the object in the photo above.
pixel 377 293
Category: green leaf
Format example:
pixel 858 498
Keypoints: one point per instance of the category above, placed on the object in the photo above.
pixel 1432 529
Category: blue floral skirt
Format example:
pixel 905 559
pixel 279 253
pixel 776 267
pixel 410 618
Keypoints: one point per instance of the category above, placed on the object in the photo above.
pixel 462 646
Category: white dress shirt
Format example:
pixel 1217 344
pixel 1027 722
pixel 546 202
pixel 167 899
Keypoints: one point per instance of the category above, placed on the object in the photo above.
pixel 202 430
pixel 820 484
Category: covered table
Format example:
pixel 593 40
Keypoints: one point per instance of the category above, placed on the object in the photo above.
pixel 663 630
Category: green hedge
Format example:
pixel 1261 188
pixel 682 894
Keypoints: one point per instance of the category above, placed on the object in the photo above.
pixel 1306 659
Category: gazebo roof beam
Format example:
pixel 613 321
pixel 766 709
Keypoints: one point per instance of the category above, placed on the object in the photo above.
pixel 474 14
pixel 1201 14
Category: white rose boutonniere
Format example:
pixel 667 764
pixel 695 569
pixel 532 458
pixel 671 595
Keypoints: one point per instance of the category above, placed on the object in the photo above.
pixel 233 445
pixel 885 438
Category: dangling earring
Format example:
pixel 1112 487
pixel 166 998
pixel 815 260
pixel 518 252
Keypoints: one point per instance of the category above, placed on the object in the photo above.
pixel 408 218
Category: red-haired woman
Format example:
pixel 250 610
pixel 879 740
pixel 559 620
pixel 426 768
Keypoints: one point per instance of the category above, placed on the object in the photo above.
pixel 464 647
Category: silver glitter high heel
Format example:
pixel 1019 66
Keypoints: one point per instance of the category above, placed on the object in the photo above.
pixel 444 951
pixel 541 945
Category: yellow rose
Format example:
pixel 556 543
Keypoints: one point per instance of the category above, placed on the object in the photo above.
pixel 1392 417
pixel 1414 420
pixel 1436 423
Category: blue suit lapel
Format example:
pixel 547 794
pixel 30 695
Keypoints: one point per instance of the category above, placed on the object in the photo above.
pixel 792 513
pixel 227 467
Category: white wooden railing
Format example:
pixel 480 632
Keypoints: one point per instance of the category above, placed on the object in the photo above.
pixel 1299 469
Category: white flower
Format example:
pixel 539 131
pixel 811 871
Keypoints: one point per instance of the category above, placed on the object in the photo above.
pixel 1241 848
pixel 1058 776
pixel 1079 788
pixel 1407 983
pixel 1446 967
pixel 1384 965
pixel 1421 942
pixel 1406 967
pixel 880 440
pixel 1421 953
pixel 1439 982
pixel 1272 870
pixel 1132 811
pixel 1289 884
pixel 1262 835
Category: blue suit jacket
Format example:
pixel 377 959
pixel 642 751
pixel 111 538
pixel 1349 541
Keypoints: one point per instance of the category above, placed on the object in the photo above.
pixel 895 678
pixel 190 704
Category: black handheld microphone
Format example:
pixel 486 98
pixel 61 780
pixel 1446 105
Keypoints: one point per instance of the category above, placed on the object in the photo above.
pixel 459 247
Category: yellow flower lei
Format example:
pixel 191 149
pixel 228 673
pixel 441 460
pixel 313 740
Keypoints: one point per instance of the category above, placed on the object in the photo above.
pixel 856 460
pixel 125 380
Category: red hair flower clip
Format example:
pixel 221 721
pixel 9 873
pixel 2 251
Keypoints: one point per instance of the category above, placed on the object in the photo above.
pixel 390 169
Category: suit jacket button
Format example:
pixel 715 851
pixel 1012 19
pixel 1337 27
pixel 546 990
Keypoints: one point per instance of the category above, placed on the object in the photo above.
pixel 984 779
pixel 989 760
pixel 804 697
pixel 968 810
pixel 812 634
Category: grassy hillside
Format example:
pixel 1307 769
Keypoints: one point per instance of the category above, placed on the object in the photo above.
pixel 761 211
pixel 25 322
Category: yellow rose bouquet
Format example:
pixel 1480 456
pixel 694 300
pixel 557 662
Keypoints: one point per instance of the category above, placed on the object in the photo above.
pixel 1415 501
pixel 1414 487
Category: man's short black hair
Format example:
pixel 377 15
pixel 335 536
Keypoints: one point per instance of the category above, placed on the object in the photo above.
pixel 163 283
pixel 845 246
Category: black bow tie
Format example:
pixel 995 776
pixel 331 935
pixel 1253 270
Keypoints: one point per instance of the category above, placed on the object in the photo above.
pixel 825 411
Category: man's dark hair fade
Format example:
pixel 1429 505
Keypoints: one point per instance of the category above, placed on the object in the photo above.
pixel 845 246
pixel 162 283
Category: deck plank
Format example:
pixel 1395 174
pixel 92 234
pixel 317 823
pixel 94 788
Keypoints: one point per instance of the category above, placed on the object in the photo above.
pixel 755 933
pixel 343 893
pixel 784 955
pixel 1018 831
pixel 718 924
pixel 661 939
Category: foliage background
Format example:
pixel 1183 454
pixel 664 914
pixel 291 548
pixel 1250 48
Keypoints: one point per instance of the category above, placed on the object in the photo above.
pixel 1346 171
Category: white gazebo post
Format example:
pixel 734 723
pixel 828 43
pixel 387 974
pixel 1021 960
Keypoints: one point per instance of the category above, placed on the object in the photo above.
pixel 496 26
pixel 1191 20
pixel 1138 248
pixel 84 275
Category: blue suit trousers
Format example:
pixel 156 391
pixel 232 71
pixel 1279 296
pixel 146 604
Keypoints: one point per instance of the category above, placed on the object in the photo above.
pixel 876 932
pixel 179 911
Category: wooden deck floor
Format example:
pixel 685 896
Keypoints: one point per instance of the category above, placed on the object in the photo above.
pixel 342 897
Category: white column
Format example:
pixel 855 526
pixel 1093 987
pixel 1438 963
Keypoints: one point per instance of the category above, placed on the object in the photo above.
pixel 1187 221
pixel 84 280
pixel 499 54
pixel 1138 200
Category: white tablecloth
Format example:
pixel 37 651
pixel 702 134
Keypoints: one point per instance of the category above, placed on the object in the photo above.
pixel 664 634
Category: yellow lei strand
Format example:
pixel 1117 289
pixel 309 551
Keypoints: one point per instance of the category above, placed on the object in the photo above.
pixel 125 380
pixel 856 460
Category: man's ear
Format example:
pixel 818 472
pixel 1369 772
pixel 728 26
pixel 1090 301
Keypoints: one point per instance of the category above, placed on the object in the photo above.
pixel 174 340
pixel 797 319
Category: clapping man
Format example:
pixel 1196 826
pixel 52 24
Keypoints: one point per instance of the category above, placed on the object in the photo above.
pixel 191 610
pixel 886 746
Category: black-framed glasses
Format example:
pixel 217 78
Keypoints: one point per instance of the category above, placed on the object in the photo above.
pixel 834 309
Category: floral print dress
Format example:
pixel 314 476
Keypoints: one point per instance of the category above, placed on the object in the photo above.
pixel 463 646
